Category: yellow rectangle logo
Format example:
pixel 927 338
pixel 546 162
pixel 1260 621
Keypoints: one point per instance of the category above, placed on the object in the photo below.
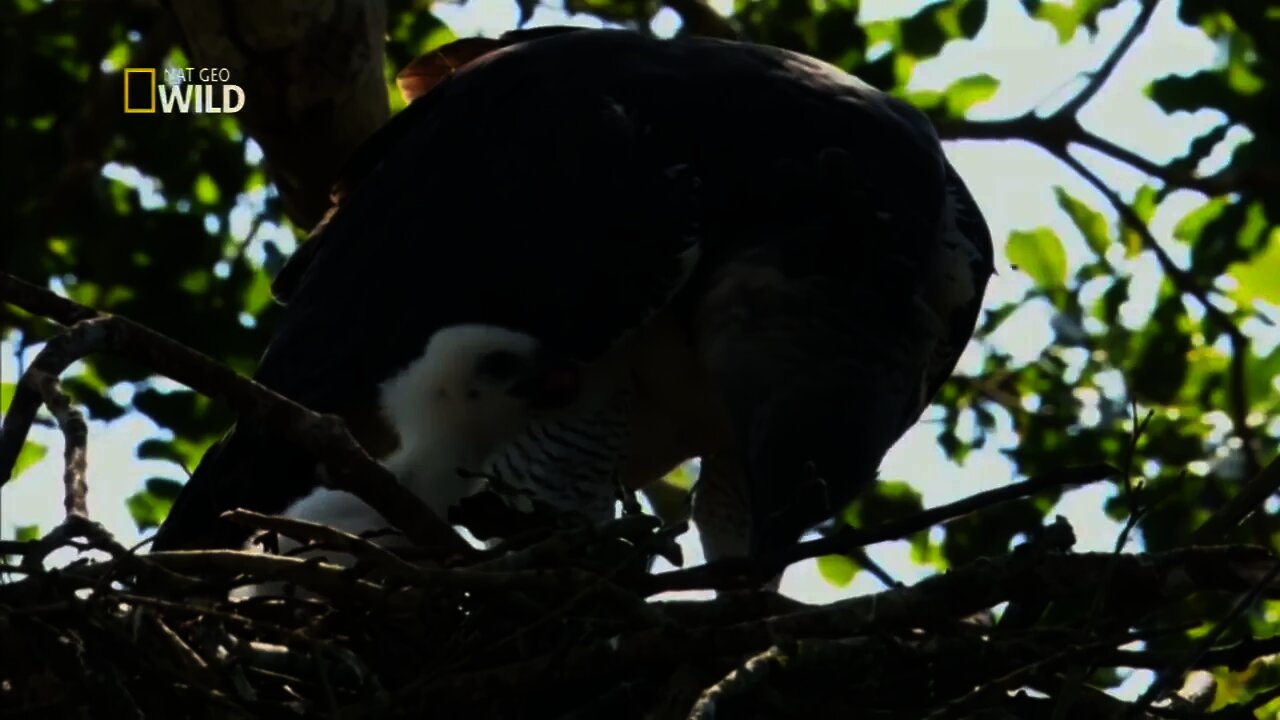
pixel 144 90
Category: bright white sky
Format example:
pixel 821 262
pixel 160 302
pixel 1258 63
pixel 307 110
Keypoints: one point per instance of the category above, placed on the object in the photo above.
pixel 1013 183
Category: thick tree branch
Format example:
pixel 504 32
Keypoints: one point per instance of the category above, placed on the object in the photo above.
pixel 756 671
pixel 937 601
pixel 312 74
pixel 75 435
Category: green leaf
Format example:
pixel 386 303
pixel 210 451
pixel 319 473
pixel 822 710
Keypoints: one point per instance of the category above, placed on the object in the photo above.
pixel 32 452
pixel 1068 16
pixel 258 297
pixel 887 500
pixel 6 396
pixel 89 391
pixel 1091 223
pixel 682 477
pixel 1061 18
pixel 1259 278
pixel 1144 203
pixel 971 16
pixel 1193 223
pixel 147 509
pixel 26 533
pixel 1161 367
pixel 206 190
pixel 1038 253
pixel 966 92
pixel 837 569
pixel 163 488
pixel 154 449
pixel 1263 377
pixel 922 36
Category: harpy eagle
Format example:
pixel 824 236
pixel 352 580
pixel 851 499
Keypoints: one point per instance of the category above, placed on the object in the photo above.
pixel 733 251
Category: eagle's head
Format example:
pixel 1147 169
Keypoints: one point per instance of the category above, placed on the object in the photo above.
pixel 474 389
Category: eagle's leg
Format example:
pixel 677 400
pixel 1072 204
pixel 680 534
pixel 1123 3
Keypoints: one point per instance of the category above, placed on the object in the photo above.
pixel 722 513
pixel 818 379
pixel 814 445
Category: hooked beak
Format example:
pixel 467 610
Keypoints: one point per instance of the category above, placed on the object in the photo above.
pixel 553 382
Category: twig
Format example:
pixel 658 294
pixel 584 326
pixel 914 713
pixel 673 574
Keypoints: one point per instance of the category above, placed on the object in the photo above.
pixel 756 671
pixel 75 435
pixel 1171 674
pixel 1057 132
pixel 310 532
pixel 1236 657
pixel 1250 497
pixel 313 574
pixel 735 573
pixel 1136 511
pixel 178 649
pixel 976 698
pixel 1099 76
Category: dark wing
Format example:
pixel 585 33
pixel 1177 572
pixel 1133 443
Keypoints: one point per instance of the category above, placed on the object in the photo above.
pixel 964 265
pixel 415 81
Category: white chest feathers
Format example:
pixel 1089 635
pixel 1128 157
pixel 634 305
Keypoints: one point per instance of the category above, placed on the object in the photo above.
pixel 473 391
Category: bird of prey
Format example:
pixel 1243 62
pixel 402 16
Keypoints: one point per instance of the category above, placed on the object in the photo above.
pixel 735 251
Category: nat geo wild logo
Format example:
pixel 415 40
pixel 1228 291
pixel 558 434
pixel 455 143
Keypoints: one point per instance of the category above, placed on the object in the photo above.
pixel 183 90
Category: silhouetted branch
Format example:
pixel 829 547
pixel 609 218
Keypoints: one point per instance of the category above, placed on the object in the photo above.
pixel 981 696
pixel 1099 76
pixel 936 601
pixel 734 573
pixel 39 301
pixel 1253 495
pixel 1171 674
pixel 1058 132
pixel 1236 657
pixel 322 535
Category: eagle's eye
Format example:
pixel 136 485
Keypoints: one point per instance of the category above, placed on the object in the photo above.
pixel 500 365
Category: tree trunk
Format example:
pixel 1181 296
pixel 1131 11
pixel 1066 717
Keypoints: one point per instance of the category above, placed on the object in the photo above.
pixel 312 74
